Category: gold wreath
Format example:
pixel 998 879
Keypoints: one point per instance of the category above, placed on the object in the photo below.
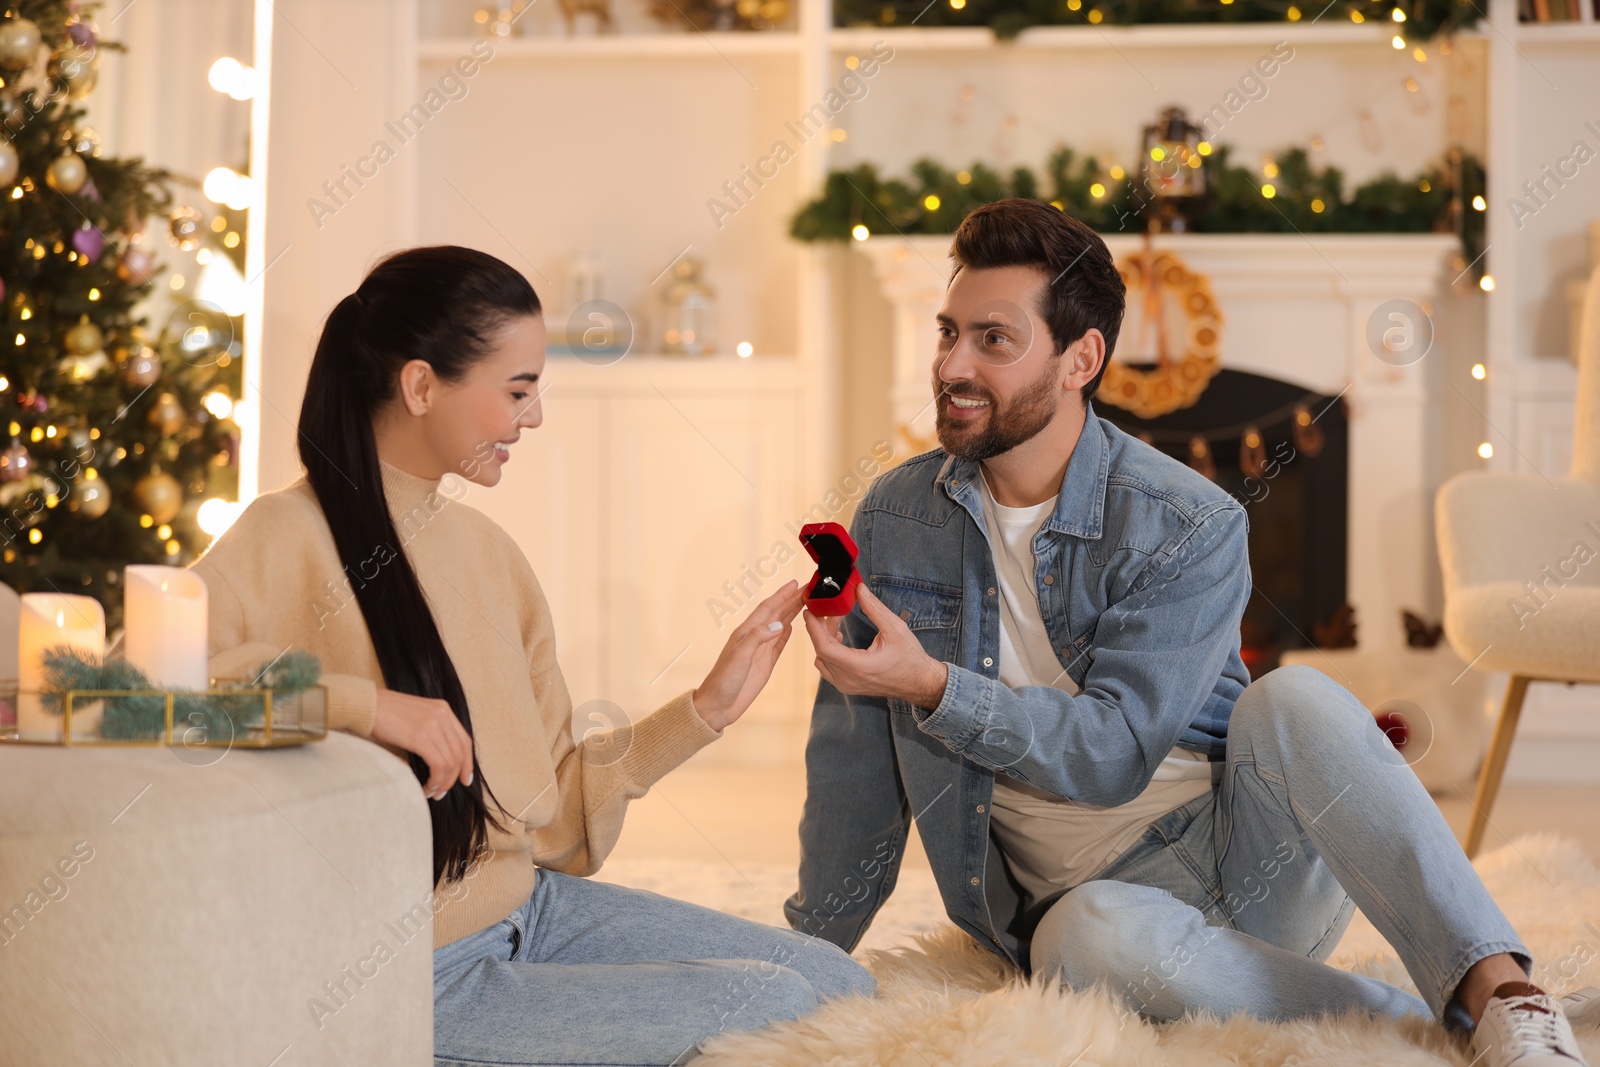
pixel 1170 385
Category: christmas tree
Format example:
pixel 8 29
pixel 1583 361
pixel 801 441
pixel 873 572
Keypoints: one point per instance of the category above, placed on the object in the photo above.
pixel 108 447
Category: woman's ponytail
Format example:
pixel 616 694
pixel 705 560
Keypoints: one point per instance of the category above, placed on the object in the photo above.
pixel 442 305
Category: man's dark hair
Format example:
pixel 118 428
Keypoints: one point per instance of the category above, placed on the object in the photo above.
pixel 1083 289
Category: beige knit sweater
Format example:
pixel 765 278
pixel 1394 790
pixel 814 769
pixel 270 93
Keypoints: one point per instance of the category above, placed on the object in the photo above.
pixel 275 581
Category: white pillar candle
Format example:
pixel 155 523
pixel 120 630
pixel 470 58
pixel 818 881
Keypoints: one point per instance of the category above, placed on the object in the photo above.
pixel 44 621
pixel 165 632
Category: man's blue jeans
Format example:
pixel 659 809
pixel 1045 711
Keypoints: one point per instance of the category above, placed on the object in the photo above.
pixel 587 972
pixel 1231 902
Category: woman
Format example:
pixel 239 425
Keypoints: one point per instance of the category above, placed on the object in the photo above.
pixel 436 642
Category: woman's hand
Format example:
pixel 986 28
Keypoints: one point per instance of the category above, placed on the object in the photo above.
pixel 429 728
pixel 747 659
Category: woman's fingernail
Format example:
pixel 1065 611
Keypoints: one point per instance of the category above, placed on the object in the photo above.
pixel 469 778
pixel 774 626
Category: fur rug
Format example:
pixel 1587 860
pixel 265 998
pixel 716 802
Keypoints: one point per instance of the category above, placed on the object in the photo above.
pixel 942 999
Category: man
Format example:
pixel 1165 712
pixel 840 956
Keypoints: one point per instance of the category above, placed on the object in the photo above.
pixel 1043 671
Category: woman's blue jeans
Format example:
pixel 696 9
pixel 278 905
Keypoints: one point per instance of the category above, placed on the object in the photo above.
pixel 586 972
pixel 1231 902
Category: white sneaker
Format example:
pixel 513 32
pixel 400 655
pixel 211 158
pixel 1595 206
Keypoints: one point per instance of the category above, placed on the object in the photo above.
pixel 1524 1027
pixel 1582 1007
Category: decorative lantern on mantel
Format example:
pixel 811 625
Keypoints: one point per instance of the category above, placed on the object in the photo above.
pixel 1171 159
pixel 689 328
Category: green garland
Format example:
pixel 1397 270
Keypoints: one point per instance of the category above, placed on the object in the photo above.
pixel 934 199
pixel 1424 18
pixel 143 718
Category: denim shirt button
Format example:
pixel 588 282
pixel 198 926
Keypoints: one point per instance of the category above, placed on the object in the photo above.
pixel 1049 579
pixel 975 880
pixel 980 809
pixel 991 590
pixel 988 662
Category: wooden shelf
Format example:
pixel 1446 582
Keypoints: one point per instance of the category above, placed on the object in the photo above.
pixel 1077 38
pixel 1556 34
pixel 618 46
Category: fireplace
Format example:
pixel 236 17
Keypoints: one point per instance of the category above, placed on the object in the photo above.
pixel 1298 506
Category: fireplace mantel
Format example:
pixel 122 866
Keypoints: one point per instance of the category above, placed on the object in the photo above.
pixel 1294 307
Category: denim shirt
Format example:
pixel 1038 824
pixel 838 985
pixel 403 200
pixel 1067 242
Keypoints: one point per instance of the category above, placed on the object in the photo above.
pixel 1142 575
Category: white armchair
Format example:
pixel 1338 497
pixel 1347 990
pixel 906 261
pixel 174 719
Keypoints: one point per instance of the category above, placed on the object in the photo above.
pixel 1521 561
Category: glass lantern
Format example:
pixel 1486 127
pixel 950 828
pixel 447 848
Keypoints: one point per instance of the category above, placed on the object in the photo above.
pixel 689 319
pixel 1171 165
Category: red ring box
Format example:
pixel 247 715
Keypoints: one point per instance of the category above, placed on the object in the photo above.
pixel 830 545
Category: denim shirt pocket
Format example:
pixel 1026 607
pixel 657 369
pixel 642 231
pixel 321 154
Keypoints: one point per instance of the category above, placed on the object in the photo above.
pixel 931 611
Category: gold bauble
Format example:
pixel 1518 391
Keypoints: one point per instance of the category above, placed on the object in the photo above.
pixel 19 41
pixel 66 173
pixel 185 228
pixel 166 414
pixel 90 498
pixel 158 495
pixel 80 69
pixel 84 338
pixel 83 368
pixel 10 163
pixel 142 367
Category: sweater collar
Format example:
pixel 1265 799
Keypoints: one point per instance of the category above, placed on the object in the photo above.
pixel 404 490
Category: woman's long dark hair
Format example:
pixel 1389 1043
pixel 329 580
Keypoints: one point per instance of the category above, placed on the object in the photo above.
pixel 444 305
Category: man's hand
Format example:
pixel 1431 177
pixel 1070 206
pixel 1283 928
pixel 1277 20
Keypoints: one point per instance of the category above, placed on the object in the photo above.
pixel 893 666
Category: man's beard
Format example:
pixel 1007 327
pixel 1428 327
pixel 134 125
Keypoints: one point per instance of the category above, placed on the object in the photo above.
pixel 1027 413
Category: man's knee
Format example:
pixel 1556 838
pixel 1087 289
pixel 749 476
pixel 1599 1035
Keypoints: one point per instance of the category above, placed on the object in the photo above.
pixel 1299 700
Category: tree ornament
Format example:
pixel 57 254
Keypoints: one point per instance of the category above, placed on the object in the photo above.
pixel 142 368
pixel 84 338
pixel 198 333
pixel 137 265
pixel 158 495
pixel 19 40
pixel 166 414
pixel 67 173
pixel 10 163
pixel 185 228
pixel 15 462
pixel 89 242
pixel 80 369
pixel 90 498
pixel 85 142
pixel 80 69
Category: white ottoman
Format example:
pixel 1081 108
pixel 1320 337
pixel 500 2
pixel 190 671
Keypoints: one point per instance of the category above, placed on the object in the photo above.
pixel 269 908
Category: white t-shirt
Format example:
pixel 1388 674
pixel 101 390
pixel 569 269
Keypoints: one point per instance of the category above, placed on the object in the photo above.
pixel 1051 842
